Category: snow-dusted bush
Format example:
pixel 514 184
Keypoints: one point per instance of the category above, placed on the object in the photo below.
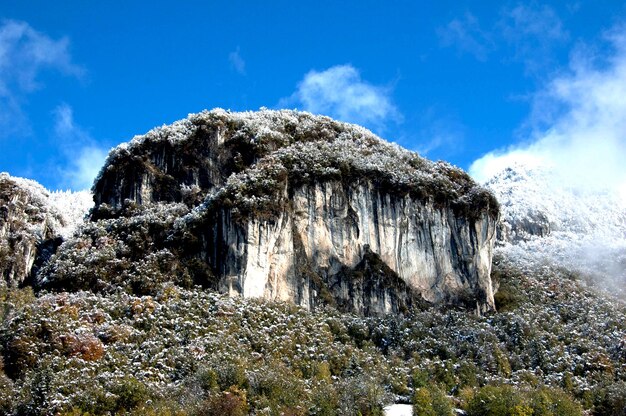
pixel 128 252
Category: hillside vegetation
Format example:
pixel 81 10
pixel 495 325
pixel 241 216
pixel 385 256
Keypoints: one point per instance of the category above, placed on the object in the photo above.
pixel 554 348
pixel 125 317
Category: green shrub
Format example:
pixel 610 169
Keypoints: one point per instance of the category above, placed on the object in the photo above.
pixel 432 401
pixel 554 402
pixel 497 401
pixel 510 401
pixel 610 400
pixel 131 394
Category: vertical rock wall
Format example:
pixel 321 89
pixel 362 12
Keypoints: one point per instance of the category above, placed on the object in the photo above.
pixel 330 229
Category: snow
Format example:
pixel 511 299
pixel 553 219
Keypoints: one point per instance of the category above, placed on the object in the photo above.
pixel 586 227
pixel 66 209
pixel 73 206
pixel 303 144
pixel 523 189
pixel 398 410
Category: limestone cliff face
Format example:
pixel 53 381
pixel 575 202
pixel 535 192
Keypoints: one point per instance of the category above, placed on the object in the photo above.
pixel 289 206
pixel 330 229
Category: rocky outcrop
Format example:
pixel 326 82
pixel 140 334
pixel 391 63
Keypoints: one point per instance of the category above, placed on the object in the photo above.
pixel 317 246
pixel 289 206
pixel 31 228
pixel 33 223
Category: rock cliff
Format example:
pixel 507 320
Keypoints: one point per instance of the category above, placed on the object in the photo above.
pixel 289 206
pixel 32 225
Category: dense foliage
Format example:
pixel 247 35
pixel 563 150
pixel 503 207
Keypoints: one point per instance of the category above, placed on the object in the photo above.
pixel 556 348
pixel 131 252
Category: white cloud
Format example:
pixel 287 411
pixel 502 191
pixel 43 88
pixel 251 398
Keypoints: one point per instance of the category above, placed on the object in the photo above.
pixel 84 157
pixel 467 36
pixel 64 125
pixel 86 167
pixel 584 136
pixel 24 54
pixel 340 92
pixel 237 62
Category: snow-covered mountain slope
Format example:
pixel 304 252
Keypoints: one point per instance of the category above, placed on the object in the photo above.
pixel 73 207
pixel 545 219
pixel 33 222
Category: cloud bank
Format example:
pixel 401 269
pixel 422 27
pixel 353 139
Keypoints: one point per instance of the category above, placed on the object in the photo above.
pixel 24 54
pixel 341 93
pixel 579 124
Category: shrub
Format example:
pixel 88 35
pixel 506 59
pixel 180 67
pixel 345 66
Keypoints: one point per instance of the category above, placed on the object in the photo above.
pixel 432 401
pixel 131 394
pixel 610 400
pixel 511 401
pixel 232 402
pixel 497 401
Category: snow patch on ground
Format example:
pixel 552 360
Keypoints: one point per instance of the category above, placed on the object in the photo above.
pixel 398 410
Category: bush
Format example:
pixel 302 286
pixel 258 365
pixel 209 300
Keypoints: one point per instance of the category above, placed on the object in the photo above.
pixel 432 401
pixel 497 401
pixel 610 400
pixel 511 401
pixel 131 394
pixel 232 402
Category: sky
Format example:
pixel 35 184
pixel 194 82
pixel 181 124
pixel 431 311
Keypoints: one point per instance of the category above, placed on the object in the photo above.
pixel 479 84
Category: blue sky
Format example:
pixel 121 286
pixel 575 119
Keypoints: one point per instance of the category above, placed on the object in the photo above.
pixel 473 83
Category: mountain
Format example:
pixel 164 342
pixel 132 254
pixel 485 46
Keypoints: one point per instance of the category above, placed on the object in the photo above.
pixel 288 206
pixel 261 263
pixel 547 219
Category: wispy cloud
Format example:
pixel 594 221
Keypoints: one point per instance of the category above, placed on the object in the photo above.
pixel 442 135
pixel 532 32
pixel 237 62
pixel 83 156
pixel 340 92
pixel 584 136
pixel 539 22
pixel 467 36
pixel 24 54
pixel 525 33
